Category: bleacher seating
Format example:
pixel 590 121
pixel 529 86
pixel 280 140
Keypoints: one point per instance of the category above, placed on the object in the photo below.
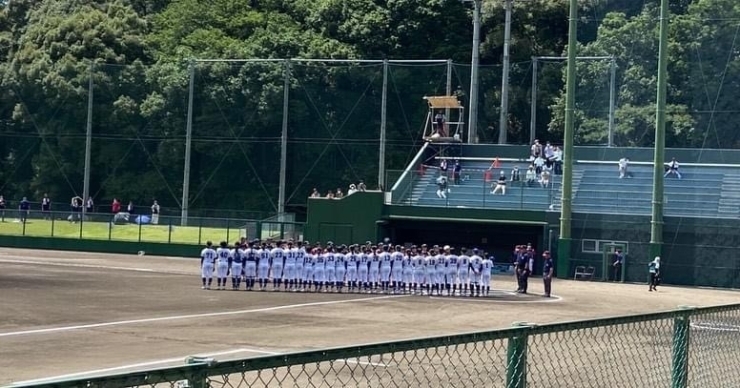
pixel 706 191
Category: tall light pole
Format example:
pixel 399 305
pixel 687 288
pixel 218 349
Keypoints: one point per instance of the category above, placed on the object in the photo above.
pixel 503 121
pixel 473 112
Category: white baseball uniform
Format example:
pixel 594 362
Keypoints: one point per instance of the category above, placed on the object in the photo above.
pixel 250 263
pixel 451 261
pixel 407 270
pixel 487 267
pixel 463 264
pixel 263 266
pixel 340 266
pixel 289 269
pixel 475 266
pixel 318 268
pixel 418 264
pixel 363 266
pixel 208 255
pixel 329 269
pixel 277 255
pixel 385 266
pixel 222 262
pixel 397 266
pixel 374 272
pixel 236 263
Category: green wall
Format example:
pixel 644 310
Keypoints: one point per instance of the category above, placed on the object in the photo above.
pixel 103 246
pixel 349 220
pixel 522 216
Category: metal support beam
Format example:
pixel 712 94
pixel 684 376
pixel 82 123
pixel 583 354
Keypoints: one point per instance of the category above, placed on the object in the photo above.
pixel 383 121
pixel 612 99
pixel 88 139
pixel 570 104
pixel 533 103
pixel 188 146
pixel 473 112
pixel 656 222
pixel 503 120
pixel 284 140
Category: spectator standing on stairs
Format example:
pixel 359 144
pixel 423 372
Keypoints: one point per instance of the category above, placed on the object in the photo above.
pixel 443 167
pixel 539 164
pixel 558 158
pixel 500 185
pixel 673 169
pixel 536 149
pixel 623 164
pixel 456 171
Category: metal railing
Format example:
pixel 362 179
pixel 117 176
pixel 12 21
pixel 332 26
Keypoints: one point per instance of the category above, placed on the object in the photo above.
pixel 688 347
pixel 143 228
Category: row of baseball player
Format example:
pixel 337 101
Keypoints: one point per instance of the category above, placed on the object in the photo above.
pixel 368 268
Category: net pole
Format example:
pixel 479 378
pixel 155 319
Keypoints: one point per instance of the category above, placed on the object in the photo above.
pixel 448 89
pixel 656 222
pixel 284 140
pixel 612 99
pixel 564 243
pixel 533 103
pixel 383 122
pixel 88 138
pixel 188 144
pixel 504 113
pixel 473 116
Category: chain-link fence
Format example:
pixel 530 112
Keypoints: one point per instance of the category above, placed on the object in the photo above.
pixel 687 347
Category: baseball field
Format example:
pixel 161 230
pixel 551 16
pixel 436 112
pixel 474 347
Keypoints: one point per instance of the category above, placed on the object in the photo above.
pixel 73 315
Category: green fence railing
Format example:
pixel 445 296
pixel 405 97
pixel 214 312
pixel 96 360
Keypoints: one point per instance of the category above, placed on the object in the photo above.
pixel 143 228
pixel 688 347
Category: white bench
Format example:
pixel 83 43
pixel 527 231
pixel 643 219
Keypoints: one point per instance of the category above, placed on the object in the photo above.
pixel 584 273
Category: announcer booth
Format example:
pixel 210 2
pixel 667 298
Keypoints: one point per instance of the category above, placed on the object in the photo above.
pixel 444 123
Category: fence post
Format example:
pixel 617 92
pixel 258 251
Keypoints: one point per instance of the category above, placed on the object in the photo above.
pixel 516 369
pixel 681 330
pixel 199 378
pixel 169 230
pixel 52 224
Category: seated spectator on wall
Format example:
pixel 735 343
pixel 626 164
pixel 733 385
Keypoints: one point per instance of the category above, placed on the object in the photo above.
pixel 361 186
pixel 530 176
pixel 315 193
pixel 545 178
pixel 352 189
pixel 672 168
pixel 330 195
pixel 339 194
pixel 515 175
pixel 500 185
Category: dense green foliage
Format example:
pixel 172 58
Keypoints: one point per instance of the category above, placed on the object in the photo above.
pixel 141 51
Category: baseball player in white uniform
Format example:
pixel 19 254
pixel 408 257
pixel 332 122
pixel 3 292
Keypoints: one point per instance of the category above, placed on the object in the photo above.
pixel 340 267
pixel 237 261
pixel 385 269
pixel 250 266
pixel 485 278
pixel 451 263
pixel 299 254
pixel 407 271
pixel 463 266
pixel 307 269
pixel 441 271
pixel 353 259
pixel 277 257
pixel 476 267
pixel 363 266
pixel 263 266
pixel 223 257
pixel 430 271
pixel 289 268
pixel 397 268
pixel 318 270
pixel 374 271
pixel 330 268
pixel 417 263
pixel 207 261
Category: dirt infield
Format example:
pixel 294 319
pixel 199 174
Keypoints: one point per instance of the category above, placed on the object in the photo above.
pixel 77 313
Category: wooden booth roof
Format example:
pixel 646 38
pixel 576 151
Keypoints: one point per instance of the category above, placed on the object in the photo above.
pixel 443 102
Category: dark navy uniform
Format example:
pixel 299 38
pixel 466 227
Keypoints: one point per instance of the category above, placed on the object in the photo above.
pixel 521 269
pixel 547 267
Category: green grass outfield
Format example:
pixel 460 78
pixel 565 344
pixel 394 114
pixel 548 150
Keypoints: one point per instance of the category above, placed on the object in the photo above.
pixel 128 232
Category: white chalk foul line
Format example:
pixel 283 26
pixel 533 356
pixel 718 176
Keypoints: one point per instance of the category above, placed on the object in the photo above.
pixel 132 366
pixel 77 265
pixel 190 316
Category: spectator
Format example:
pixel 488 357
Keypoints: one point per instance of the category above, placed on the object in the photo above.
pixel 654 271
pixel 549 154
pixel 515 175
pixel 617 264
pixel 439 122
pixel 24 207
pixel 539 163
pixel 339 194
pixel 558 157
pixel 536 149
pixel 361 187
pixel 89 205
pixel 531 175
pixel 2 208
pixel 46 206
pixel 330 195
pixel 673 169
pixel 130 209
pixel 115 207
pixel 352 189
pixel 443 167
pixel 456 171
pixel 623 163
pixel 545 178
pixel 495 164
pixel 500 185
pixel 75 205
pixel 442 187
pixel 315 193
pixel 155 213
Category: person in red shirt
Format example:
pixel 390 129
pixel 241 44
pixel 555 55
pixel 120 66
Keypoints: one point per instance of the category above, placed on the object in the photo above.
pixel 115 207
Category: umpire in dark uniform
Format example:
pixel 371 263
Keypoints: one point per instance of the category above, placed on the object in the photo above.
pixel 617 264
pixel 548 268
pixel 522 270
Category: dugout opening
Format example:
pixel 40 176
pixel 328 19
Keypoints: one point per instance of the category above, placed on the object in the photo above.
pixel 493 236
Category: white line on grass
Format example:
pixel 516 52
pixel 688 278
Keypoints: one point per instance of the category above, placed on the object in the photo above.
pixel 190 316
